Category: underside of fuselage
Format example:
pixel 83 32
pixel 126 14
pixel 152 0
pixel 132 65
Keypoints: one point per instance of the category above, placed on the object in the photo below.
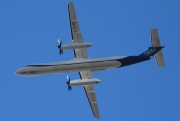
pixel 63 68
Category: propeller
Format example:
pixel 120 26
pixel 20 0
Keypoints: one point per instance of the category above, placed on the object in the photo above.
pixel 68 83
pixel 59 46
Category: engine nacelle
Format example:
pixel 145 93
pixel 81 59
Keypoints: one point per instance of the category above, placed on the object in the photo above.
pixel 75 46
pixel 81 82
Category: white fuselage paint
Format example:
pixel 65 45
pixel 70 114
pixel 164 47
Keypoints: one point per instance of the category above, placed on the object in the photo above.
pixel 75 65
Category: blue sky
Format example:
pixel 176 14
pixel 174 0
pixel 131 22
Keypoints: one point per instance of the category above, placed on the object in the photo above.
pixel 143 92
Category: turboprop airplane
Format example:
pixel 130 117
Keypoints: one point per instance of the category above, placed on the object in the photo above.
pixel 85 66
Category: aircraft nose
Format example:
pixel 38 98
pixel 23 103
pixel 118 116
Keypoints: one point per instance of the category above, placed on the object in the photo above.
pixel 22 71
pixel 17 72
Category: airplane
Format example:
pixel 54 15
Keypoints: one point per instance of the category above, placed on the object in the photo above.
pixel 85 66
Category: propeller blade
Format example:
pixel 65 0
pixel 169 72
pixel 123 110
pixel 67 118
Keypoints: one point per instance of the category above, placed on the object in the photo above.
pixel 68 78
pixel 68 82
pixel 69 88
pixel 60 51
pixel 59 43
pixel 59 46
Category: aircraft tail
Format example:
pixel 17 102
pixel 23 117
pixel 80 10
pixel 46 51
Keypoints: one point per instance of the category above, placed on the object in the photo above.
pixel 151 51
pixel 155 50
pixel 156 43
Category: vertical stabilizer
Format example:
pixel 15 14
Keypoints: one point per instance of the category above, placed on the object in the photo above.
pixel 156 43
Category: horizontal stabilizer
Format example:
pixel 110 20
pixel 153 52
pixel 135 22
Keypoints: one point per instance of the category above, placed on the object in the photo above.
pixel 160 59
pixel 156 43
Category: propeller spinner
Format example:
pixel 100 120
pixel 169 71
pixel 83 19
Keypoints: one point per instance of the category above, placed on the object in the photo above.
pixel 68 83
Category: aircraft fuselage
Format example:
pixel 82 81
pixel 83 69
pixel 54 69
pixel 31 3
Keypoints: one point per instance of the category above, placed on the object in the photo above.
pixel 77 65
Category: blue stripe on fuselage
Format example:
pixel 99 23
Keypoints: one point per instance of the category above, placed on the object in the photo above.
pixel 129 60
pixel 132 60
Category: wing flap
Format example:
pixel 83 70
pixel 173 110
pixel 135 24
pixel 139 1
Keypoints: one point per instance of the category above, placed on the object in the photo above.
pixel 80 53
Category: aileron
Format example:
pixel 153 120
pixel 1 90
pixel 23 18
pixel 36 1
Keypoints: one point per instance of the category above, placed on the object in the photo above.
pixel 92 99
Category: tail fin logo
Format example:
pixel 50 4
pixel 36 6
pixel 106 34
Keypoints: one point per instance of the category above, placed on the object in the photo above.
pixel 149 51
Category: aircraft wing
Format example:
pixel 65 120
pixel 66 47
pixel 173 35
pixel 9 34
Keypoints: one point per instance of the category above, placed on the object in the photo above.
pixel 90 93
pixel 75 32
pixel 82 53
